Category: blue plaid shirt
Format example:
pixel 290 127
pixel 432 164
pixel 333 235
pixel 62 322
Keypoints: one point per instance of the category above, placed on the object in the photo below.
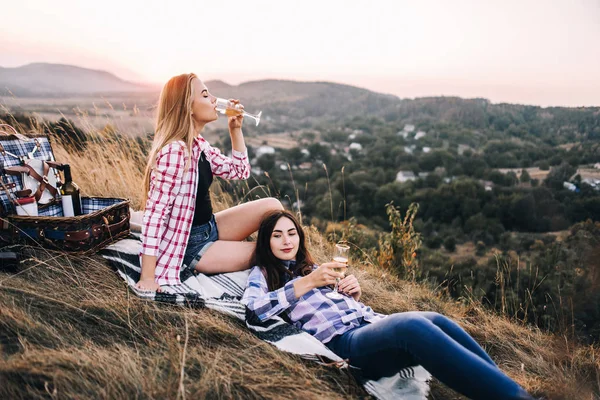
pixel 315 313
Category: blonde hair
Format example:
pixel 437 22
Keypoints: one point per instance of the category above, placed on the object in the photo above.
pixel 174 121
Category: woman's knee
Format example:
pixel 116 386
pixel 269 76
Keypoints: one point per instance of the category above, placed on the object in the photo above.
pixel 410 324
pixel 437 318
pixel 270 204
pixel 431 315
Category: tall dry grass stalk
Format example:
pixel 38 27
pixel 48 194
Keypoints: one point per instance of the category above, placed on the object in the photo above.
pixel 107 169
pixel 69 327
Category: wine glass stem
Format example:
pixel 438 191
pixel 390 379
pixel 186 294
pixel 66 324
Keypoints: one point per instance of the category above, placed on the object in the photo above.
pixel 247 114
pixel 337 281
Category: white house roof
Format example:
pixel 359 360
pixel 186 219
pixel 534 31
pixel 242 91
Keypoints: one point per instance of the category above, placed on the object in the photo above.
pixel 406 174
pixel 264 150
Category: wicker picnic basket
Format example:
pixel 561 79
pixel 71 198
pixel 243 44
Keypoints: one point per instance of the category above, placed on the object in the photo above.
pixel 103 220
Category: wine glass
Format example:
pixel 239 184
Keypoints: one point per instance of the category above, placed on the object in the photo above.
pixel 231 109
pixel 340 254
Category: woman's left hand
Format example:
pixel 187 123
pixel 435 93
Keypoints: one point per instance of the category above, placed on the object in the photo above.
pixel 235 122
pixel 349 285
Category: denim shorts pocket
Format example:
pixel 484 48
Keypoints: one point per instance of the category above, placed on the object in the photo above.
pixel 201 237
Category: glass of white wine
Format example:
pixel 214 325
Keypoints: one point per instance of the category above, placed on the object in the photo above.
pixel 231 109
pixel 341 254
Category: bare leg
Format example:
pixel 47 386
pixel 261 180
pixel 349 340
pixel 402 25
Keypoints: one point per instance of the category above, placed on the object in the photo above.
pixel 226 256
pixel 239 222
pixel 229 254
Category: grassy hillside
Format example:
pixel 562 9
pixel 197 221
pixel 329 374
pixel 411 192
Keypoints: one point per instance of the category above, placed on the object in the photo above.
pixel 69 328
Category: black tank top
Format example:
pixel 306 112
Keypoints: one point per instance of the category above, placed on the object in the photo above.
pixel 203 211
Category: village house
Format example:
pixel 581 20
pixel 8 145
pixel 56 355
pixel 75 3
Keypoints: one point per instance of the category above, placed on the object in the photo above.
pixel 593 182
pixel 355 133
pixel 262 150
pixel 406 130
pixel 487 185
pixel 355 146
pixel 405 176
pixel 420 135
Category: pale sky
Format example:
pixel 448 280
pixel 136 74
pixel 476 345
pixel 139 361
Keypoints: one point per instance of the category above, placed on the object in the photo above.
pixel 517 51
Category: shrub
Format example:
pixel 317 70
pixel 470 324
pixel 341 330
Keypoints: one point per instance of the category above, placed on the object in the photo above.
pixel 450 244
pixel 398 249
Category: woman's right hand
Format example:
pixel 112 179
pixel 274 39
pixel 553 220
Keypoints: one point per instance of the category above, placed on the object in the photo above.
pixel 324 275
pixel 235 122
pixel 148 284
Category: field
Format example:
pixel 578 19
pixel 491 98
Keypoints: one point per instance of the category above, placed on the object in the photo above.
pixel 540 175
pixel 129 114
pixel 71 329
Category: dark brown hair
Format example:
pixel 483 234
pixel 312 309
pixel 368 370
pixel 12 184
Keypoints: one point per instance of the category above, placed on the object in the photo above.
pixel 264 257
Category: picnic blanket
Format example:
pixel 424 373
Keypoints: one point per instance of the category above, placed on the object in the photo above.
pixel 222 292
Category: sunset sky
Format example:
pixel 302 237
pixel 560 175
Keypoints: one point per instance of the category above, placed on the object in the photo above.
pixel 531 52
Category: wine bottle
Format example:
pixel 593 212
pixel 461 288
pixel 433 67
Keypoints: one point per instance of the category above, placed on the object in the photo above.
pixel 71 201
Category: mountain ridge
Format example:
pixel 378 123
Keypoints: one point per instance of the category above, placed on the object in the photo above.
pixel 49 80
pixel 46 79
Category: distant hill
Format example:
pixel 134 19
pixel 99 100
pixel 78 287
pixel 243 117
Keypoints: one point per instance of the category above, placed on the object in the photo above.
pixel 43 79
pixel 300 100
pixel 295 100
pixel 291 105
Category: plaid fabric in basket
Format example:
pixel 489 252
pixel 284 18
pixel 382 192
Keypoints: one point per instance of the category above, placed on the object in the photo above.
pixel 91 204
pixel 54 210
pixel 21 148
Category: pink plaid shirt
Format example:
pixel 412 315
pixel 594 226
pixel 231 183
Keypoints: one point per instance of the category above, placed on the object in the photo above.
pixel 172 200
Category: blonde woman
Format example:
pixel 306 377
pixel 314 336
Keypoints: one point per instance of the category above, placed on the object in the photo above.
pixel 179 227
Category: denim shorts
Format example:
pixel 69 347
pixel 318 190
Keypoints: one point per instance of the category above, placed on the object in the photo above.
pixel 201 238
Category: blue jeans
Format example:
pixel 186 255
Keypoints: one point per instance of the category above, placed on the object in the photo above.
pixel 201 238
pixel 433 341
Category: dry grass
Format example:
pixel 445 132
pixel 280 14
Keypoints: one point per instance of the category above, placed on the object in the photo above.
pixel 69 328
pixel 130 113
pixel 107 168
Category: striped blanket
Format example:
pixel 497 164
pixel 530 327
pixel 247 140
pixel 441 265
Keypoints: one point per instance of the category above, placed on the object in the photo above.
pixel 223 292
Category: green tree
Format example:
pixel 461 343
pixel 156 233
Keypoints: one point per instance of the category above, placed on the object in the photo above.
pixel 450 244
pixel 266 162
pixel 558 175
